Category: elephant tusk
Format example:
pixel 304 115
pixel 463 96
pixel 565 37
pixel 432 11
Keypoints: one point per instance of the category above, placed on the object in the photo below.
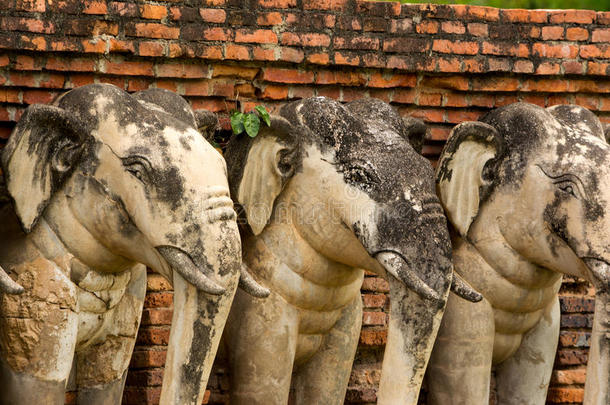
pixel 7 285
pixel 249 284
pixel 183 264
pixel 397 267
pixel 461 288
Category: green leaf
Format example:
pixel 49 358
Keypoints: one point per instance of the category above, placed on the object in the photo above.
pixel 237 122
pixel 262 111
pixel 252 124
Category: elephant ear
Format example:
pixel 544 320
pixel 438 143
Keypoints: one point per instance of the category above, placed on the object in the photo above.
pixel 169 102
pixel 260 167
pixel 578 118
pixel 40 154
pixel 465 171
pixel 415 132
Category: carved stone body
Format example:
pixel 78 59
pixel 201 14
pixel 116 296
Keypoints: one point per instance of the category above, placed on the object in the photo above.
pixel 101 183
pixel 327 191
pixel 527 191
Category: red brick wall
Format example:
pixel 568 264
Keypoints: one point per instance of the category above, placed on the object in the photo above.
pixel 445 64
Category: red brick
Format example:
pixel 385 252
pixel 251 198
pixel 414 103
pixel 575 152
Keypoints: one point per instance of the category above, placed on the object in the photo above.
pixel 293 55
pixel 137 84
pixel 340 77
pixel 95 7
pixel 439 133
pixel 453 27
pixel 331 5
pixel 305 39
pixel 545 85
pixel 481 100
pixel 373 318
pixel 391 80
pixel 124 9
pixel 158 299
pixel 373 338
pixel 235 71
pixel 458 116
pixel 571 67
pixel 595 51
pixel 256 36
pixel 260 53
pixel 601 35
pixel 128 68
pixel 279 75
pixel 427 27
pixel 94 46
pixel 595 68
pixel 275 92
pixel 77 80
pixel 523 66
pixel 349 23
pixel 153 12
pixel 603 17
pixel 4 60
pixel 455 100
pixel 34 43
pixel 505 48
pixel 157 316
pixel 271 18
pixel 548 68
pixel 374 24
pixel 216 34
pixel 485 13
pixel 31 5
pixel 154 30
pixel 525 16
pixel 577 34
pixel 535 32
pixel 24 62
pixel 449 65
pixel 552 33
pixel 237 52
pixel 374 300
pixel 460 83
pixel 494 84
pixel 456 47
pixel 27 24
pixel 377 284
pixel 431 99
pixel 572 16
pixel 318 58
pixel 565 395
pixel 9 96
pixel 344 58
pixel 478 29
pixel 569 377
pixel 277 3
pixel 37 96
pixel 181 70
pixel 117 45
pixel 150 48
pixel 555 51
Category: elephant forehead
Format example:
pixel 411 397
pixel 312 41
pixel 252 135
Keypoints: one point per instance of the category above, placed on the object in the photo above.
pixel 575 149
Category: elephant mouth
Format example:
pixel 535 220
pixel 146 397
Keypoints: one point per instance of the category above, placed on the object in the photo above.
pixel 181 262
pixel 600 270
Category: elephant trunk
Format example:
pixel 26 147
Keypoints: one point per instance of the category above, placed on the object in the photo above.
pixel 598 367
pixel 414 322
pixel 199 316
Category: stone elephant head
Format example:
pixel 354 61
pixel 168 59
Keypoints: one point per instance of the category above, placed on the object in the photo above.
pixel 535 184
pixel 359 196
pixel 118 180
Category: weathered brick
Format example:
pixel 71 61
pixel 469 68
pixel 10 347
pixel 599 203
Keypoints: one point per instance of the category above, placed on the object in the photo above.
pixel 275 92
pixel 260 53
pixel 572 16
pixel 401 26
pixel 270 18
pixel 280 75
pixel 505 48
pixel 345 58
pixel 555 51
pixel 31 5
pixel 552 33
pixel 305 39
pixel 388 80
pixel 478 29
pixel 370 337
pixel 427 27
pixel 548 68
pixel 256 36
pixel 404 45
pixel 357 42
pixel 523 66
pixel 375 24
pixel 601 35
pixel 159 299
pixel 277 3
pixel 95 7
pixel 455 47
pixel 569 377
pixel 152 30
pixel 318 58
pixel 150 48
pixel 181 70
pixel 565 395
pixel 453 27
pixel 598 68
pixel 577 34
pixel 595 51
pixel 374 318
pixel 153 12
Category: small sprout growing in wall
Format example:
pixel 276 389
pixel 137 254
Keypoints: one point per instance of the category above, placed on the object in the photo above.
pixel 249 122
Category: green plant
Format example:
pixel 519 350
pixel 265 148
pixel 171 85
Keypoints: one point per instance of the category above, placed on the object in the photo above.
pixel 249 122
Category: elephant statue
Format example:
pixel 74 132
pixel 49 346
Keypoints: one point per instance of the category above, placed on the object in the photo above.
pixel 101 184
pixel 527 193
pixel 326 192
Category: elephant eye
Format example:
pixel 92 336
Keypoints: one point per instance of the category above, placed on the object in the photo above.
pixel 138 166
pixel 359 176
